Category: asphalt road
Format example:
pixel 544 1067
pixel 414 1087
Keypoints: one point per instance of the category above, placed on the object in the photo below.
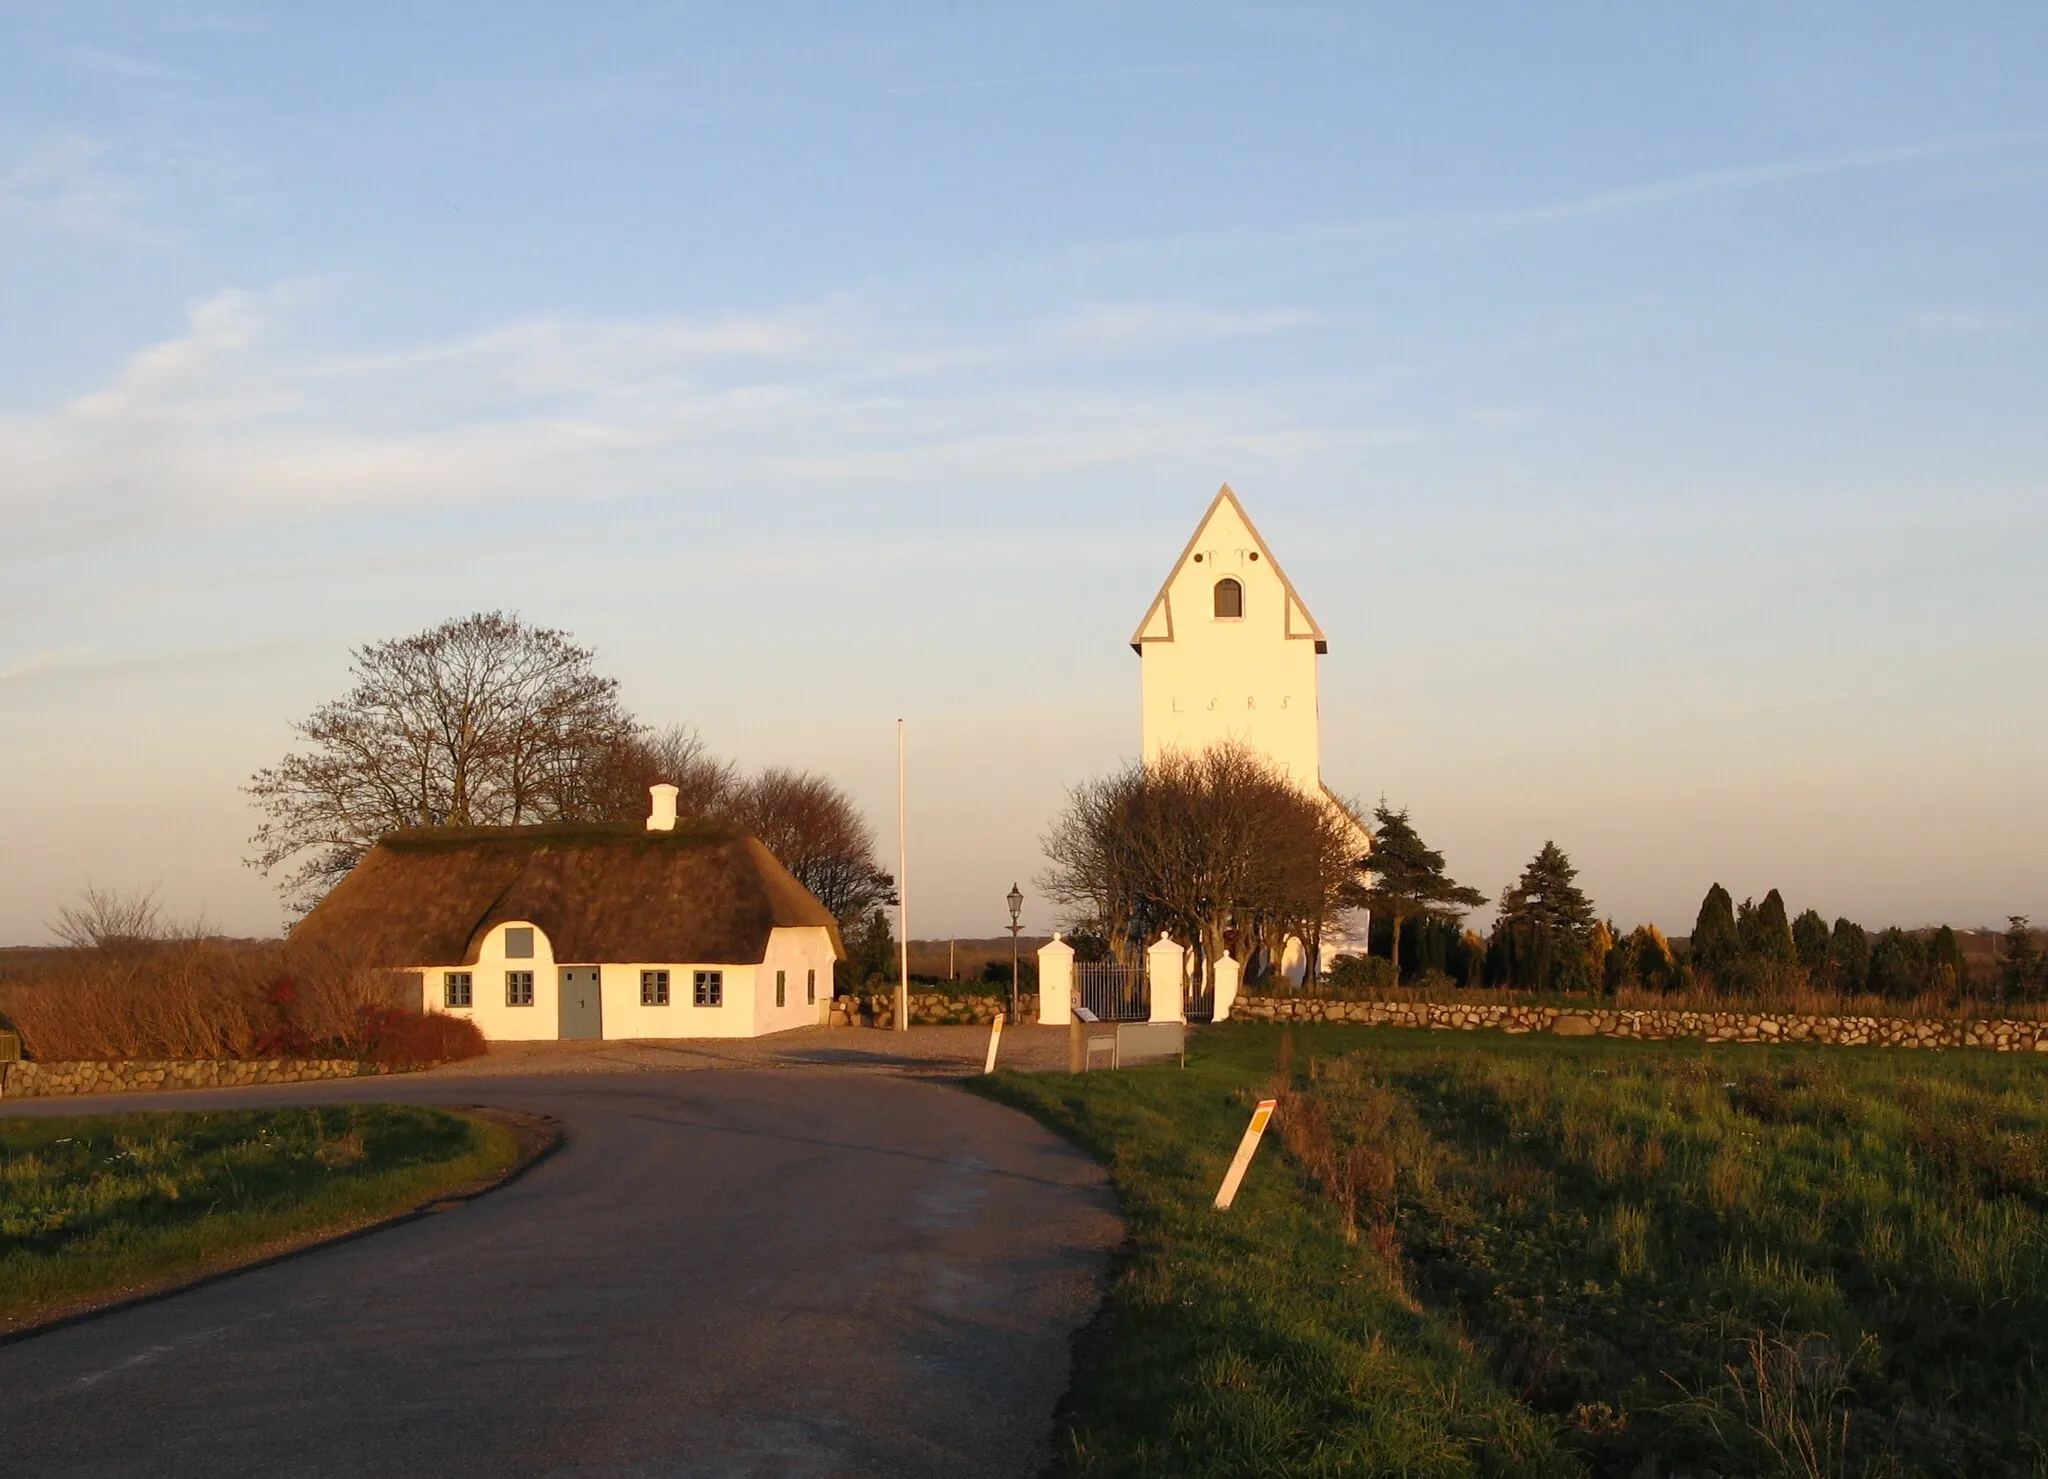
pixel 727 1273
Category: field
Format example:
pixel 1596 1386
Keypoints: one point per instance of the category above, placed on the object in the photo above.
pixel 1519 1255
pixel 95 1207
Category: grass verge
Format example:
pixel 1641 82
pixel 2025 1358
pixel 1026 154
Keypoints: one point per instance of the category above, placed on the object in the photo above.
pixel 103 1209
pixel 1480 1253
pixel 1257 1341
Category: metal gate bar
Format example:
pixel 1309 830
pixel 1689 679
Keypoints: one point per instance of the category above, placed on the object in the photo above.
pixel 1115 993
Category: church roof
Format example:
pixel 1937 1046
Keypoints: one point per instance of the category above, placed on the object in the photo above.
pixel 604 893
pixel 1158 623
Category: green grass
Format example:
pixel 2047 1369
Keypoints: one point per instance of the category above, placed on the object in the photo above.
pixel 1536 1255
pixel 95 1207
pixel 1258 1341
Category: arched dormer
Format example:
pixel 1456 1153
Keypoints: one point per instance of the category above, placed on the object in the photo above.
pixel 1229 599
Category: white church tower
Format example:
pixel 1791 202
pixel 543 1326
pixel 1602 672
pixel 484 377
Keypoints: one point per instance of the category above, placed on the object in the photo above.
pixel 1229 651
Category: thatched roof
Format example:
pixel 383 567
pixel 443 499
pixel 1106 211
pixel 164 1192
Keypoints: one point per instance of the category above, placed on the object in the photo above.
pixel 602 892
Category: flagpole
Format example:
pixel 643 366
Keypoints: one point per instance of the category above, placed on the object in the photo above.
pixel 902 895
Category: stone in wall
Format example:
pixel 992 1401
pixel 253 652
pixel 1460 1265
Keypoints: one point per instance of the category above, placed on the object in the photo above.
pixel 43 1080
pixel 2001 1036
pixel 927 1009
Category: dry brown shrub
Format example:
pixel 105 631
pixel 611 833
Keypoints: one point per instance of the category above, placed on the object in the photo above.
pixel 193 998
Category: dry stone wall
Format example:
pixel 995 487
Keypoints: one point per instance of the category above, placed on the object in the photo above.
pixel 928 1009
pixel 41 1080
pixel 1999 1035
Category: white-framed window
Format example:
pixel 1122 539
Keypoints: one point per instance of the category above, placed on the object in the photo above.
pixel 810 988
pixel 519 988
pixel 519 944
pixel 455 988
pixel 654 988
pixel 781 987
pixel 709 989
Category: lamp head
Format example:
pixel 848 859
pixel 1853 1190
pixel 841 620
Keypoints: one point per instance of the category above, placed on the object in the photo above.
pixel 1016 902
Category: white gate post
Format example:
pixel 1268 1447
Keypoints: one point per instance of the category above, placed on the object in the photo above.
pixel 1055 982
pixel 1165 965
pixel 1227 972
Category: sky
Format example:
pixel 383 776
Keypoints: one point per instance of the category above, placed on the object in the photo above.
pixel 1650 401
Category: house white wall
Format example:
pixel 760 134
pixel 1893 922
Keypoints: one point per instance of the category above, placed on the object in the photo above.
pixel 625 1017
pixel 488 1010
pixel 803 956
pixel 1252 679
pixel 747 1009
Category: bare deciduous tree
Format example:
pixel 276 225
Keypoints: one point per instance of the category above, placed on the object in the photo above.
pixel 1217 848
pixel 705 785
pixel 481 721
pixel 817 833
pixel 107 919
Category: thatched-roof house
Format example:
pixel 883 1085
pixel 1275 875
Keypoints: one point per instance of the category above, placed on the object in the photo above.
pixel 589 929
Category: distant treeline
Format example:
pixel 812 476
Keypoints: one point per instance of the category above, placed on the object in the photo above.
pixel 1754 949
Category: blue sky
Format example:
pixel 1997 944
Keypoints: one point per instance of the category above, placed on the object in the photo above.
pixel 1650 402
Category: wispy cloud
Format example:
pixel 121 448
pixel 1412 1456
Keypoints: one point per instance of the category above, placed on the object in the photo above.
pixel 1046 79
pixel 1960 322
pixel 65 664
pixel 237 421
pixel 1118 328
pixel 1591 206
pixel 64 182
pixel 1750 177
pixel 55 660
pixel 121 64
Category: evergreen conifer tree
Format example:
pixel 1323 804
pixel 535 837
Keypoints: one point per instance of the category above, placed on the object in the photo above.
pixel 2019 965
pixel 1945 957
pixel 1713 932
pixel 1407 879
pixel 1897 964
pixel 1849 957
pixel 1810 943
pixel 1773 929
pixel 1545 927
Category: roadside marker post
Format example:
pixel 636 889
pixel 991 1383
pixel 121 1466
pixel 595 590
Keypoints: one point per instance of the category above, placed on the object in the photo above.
pixel 1243 1159
pixel 995 1038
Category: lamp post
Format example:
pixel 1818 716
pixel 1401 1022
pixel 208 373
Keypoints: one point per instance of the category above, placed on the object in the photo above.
pixel 1016 907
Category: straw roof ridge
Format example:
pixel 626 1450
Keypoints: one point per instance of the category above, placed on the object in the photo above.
pixel 602 893
pixel 688 832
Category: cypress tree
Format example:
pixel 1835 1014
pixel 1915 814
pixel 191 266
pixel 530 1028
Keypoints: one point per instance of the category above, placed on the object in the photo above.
pixel 1773 929
pixel 1946 958
pixel 2019 966
pixel 1810 942
pixel 1897 964
pixel 1849 955
pixel 1713 932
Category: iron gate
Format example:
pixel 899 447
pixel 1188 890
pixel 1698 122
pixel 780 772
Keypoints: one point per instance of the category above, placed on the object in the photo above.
pixel 1115 993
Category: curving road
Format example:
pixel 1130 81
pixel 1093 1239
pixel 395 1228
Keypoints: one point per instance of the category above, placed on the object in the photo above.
pixel 720 1273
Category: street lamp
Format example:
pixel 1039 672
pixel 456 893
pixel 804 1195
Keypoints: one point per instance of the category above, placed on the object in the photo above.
pixel 1016 907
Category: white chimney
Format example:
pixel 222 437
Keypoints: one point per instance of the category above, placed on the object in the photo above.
pixel 663 817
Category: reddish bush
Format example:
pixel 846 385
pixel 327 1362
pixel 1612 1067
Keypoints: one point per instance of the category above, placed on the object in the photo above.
pixel 286 1036
pixel 400 1039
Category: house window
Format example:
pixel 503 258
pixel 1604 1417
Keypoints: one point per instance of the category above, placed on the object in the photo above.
pixel 519 944
pixel 654 988
pixel 1229 599
pixel 519 988
pixel 455 988
pixel 710 989
pixel 781 985
pixel 810 988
